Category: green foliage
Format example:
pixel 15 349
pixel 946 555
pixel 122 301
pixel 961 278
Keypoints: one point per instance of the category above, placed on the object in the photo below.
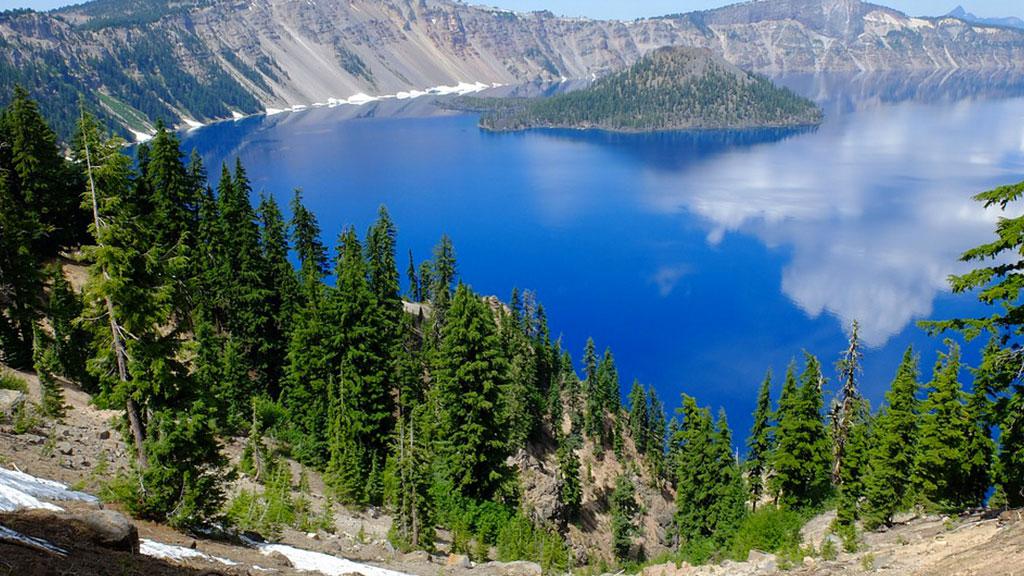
pixel 941 478
pixel 669 88
pixel 802 457
pixel 887 481
pixel 769 529
pixel 570 490
pixel 626 512
pixel 761 441
pixel 10 381
pixel 46 363
pixel 519 539
pixel 469 373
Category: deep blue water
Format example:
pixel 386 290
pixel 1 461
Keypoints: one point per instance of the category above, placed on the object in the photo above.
pixel 701 259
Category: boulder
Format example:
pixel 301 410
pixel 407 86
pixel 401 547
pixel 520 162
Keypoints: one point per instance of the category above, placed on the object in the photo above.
pixel 517 568
pixel 10 400
pixel 417 556
pixel 762 561
pixel 109 529
pixel 667 569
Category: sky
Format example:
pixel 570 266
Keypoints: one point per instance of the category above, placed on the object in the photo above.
pixel 639 8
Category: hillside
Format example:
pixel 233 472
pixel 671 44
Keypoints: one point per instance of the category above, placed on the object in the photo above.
pixel 189 62
pixel 671 88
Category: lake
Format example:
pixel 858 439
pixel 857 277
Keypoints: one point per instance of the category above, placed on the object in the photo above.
pixel 701 258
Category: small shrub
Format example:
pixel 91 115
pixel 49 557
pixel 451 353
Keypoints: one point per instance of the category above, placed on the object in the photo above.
pixel 11 381
pixel 828 550
pixel 770 529
pixel 26 418
pixel 867 562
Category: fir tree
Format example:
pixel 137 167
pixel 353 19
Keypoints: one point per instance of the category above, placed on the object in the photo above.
pixel 305 234
pixel 887 481
pixel 655 442
pixel 802 458
pixel 570 491
pixel 842 412
pixel 442 277
pixel 696 473
pixel 282 286
pixel 761 442
pixel 593 397
pixel 730 490
pixel 415 291
pixel 469 373
pixel 625 517
pixel 943 438
pixel 638 419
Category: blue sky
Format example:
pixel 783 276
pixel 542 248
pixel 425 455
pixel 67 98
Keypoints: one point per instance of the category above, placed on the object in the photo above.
pixel 638 8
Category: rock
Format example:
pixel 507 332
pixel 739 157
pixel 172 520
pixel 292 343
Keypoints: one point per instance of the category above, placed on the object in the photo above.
pixel 10 400
pixel 278 560
pixel 65 449
pixel 458 561
pixel 104 435
pixel 417 556
pixel 312 536
pixel 809 561
pixel 762 561
pixel 109 529
pixel 666 569
pixel 517 568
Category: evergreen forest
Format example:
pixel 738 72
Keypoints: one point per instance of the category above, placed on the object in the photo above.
pixel 206 314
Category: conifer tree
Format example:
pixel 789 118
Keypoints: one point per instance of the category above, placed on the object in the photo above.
pixel 362 408
pixel 761 442
pixel 46 364
pixel 415 292
pixel 655 442
pixel 802 459
pixel 638 420
pixel 887 480
pixel 175 208
pixel 696 473
pixel 608 377
pixel 305 234
pixel 442 277
pixel 943 438
pixel 730 490
pixel 70 341
pixel 570 491
pixel 282 287
pixel 469 371
pixel 842 412
pixel 593 397
pixel 520 398
pixel 625 517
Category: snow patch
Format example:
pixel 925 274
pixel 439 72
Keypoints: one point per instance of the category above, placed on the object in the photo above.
pixel 192 124
pixel 141 137
pixel 324 563
pixel 19 490
pixel 31 541
pixel 236 115
pixel 272 111
pixel 178 553
pixel 360 99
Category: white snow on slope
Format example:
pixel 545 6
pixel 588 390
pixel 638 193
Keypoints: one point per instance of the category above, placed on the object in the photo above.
pixel 172 552
pixel 19 490
pixel 324 563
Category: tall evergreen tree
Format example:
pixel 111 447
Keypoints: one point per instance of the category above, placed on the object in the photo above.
pixel 282 289
pixel 593 397
pixel 844 409
pixel 625 517
pixel 730 502
pixel 887 481
pixel 638 419
pixel 761 442
pixel 943 438
pixel 469 371
pixel 802 459
pixel 570 490
pixel 655 443
pixel 305 234
pixel 442 277
pixel 415 291
pixel 696 473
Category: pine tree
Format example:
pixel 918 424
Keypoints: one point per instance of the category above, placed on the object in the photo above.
pixel 655 442
pixel 887 481
pixel 520 398
pixel 608 378
pixel 625 516
pixel 943 438
pixel 638 420
pixel 305 234
pixel 175 208
pixel 46 364
pixel 802 459
pixel 593 397
pixel 133 290
pixel 442 277
pixel 70 341
pixel 843 410
pixel 696 473
pixel 363 407
pixel 282 287
pixel 730 491
pixel 570 491
pixel 469 371
pixel 851 489
pixel 761 442
pixel 415 293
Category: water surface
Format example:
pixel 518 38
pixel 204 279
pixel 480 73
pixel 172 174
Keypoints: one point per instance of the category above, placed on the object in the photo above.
pixel 702 258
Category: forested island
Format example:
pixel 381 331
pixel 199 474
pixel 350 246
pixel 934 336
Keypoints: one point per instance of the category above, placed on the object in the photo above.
pixel 673 88
pixel 424 398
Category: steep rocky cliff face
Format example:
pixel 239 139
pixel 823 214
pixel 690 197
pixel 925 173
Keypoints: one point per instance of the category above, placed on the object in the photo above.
pixel 138 61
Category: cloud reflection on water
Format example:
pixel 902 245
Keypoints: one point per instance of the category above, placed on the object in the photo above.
pixel 867 240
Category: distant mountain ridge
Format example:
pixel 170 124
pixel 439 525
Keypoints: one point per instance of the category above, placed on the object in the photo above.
pixel 136 61
pixel 1010 21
